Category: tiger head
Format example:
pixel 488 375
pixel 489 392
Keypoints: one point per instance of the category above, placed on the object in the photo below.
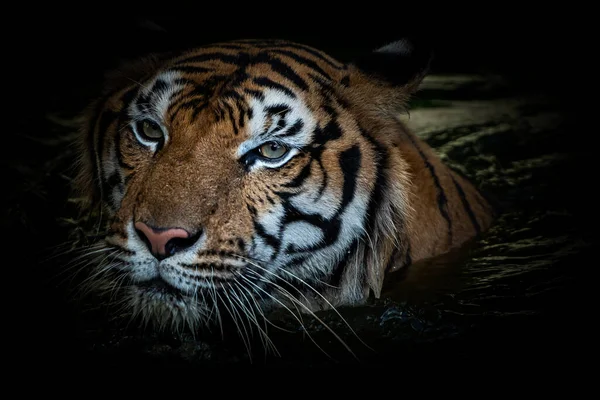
pixel 249 174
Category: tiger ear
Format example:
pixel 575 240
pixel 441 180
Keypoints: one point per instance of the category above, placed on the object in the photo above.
pixel 403 63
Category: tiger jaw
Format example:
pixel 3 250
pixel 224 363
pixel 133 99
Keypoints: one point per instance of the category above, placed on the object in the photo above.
pixel 173 290
pixel 186 288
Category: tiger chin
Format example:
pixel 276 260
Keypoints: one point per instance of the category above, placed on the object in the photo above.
pixel 257 174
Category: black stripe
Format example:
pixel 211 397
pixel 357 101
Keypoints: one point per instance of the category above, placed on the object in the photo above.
pixel 196 104
pixel 300 178
pixel 127 99
pixel 175 106
pixel 350 163
pixel 232 94
pixel 331 228
pixel 479 196
pixel 332 131
pixel 293 130
pixel 381 162
pixel 120 159
pixel 320 55
pixel 325 178
pixel 252 210
pixel 271 240
pixel 280 109
pixel 377 197
pixel 335 278
pixel 466 205
pixel 255 93
pixel 194 98
pixel 219 113
pixel 159 88
pixel 142 102
pixel 304 61
pixel 198 109
pixel 442 199
pixel 282 69
pixel 274 44
pixel 231 114
pixel 266 82
pixel 207 87
pixel 328 91
pixel 241 115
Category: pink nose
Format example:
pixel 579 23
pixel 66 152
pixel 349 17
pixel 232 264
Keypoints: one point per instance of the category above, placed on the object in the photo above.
pixel 160 241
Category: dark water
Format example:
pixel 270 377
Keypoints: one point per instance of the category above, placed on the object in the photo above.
pixel 520 293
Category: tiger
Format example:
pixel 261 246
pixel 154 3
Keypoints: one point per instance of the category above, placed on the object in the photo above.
pixel 261 174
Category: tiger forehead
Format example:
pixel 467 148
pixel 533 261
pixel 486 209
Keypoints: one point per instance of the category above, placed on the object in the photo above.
pixel 235 82
pixel 226 71
pixel 292 61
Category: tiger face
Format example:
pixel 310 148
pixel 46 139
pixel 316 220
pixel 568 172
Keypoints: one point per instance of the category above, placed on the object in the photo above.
pixel 252 174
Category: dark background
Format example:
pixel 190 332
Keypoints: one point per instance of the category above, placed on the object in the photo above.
pixel 56 61
pixel 56 54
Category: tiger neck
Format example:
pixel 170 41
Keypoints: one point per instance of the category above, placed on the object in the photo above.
pixel 446 209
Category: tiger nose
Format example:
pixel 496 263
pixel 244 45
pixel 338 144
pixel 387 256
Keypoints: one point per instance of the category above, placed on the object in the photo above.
pixel 165 242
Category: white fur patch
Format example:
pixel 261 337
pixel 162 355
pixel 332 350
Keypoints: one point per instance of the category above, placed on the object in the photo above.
pixel 157 108
pixel 310 203
pixel 271 220
pixel 301 235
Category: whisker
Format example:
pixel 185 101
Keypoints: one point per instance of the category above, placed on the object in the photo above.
pixel 267 321
pixel 318 294
pixel 265 340
pixel 288 295
pixel 290 311
pixel 213 292
pixel 246 344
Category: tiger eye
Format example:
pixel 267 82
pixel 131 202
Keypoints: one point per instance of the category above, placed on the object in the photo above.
pixel 150 130
pixel 272 150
